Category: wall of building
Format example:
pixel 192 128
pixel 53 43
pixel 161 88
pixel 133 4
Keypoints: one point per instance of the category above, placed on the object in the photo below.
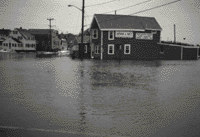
pixel 140 49
pixel 190 53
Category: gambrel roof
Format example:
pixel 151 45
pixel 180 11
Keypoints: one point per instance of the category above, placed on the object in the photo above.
pixel 125 22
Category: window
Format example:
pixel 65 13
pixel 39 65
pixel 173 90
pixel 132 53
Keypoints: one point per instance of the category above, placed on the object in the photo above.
pixel 13 44
pixel 110 48
pixel 127 49
pixel 95 34
pixel 97 49
pixel 110 35
pixel 14 32
pixel 85 49
pixel 1 42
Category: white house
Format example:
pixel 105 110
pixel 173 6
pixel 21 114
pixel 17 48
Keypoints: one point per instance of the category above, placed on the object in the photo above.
pixel 28 41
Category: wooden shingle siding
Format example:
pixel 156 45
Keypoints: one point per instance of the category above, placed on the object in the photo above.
pixel 190 53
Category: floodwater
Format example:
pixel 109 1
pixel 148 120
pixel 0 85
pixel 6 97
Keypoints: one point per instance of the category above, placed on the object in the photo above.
pixel 104 98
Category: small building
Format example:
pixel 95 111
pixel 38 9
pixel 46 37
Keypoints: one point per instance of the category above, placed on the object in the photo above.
pixel 77 44
pixel 46 40
pixel 125 37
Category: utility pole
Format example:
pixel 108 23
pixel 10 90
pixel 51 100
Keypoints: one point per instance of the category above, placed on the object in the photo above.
pixel 82 45
pixel 115 12
pixel 174 33
pixel 50 32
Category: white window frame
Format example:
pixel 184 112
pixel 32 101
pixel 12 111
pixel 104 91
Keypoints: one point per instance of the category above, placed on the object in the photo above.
pixel 129 45
pixel 97 48
pixel 111 45
pixel 85 49
pixel 96 33
pixel 109 32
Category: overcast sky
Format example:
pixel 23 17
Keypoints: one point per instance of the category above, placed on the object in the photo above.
pixel 34 13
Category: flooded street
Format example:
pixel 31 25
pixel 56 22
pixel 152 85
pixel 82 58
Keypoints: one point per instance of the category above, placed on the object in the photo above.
pixel 104 98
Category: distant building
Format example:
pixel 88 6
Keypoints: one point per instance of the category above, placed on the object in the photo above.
pixel 86 49
pixel 4 34
pixel 43 38
pixel 19 40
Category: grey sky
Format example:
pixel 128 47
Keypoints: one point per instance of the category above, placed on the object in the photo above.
pixel 34 13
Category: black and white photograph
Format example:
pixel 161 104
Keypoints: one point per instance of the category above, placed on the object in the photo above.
pixel 107 68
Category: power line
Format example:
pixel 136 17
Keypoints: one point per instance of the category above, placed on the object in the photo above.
pixel 101 3
pixel 128 6
pixel 155 7
pixel 140 11
pixel 124 7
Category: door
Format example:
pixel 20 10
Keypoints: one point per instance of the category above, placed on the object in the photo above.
pixel 118 50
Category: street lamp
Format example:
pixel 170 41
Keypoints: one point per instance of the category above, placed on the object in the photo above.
pixel 75 7
pixel 81 49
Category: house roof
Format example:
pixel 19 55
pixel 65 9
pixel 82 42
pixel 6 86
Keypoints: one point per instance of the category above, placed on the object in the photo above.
pixel 16 40
pixel 126 22
pixel 5 32
pixel 24 32
pixel 39 31
pixel 86 39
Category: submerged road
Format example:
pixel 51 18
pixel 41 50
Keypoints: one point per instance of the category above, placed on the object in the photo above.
pixel 59 96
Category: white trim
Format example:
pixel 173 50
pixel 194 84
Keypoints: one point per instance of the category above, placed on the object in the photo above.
pixel 93 33
pixel 97 22
pixel 85 49
pixel 109 32
pixel 179 45
pixel 153 29
pixel 111 45
pixel 123 29
pixel 101 45
pixel 153 32
pixel 125 45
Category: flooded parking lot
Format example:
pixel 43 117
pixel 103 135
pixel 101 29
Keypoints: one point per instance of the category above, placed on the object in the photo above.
pixel 133 98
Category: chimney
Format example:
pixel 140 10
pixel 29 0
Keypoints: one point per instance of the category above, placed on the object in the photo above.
pixel 20 27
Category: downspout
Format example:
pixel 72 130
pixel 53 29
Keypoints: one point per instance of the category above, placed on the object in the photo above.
pixel 101 45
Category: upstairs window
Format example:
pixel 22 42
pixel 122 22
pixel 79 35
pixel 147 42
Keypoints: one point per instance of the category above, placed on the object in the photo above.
pixel 97 49
pixel 110 35
pixel 110 48
pixel 14 32
pixel 127 49
pixel 94 33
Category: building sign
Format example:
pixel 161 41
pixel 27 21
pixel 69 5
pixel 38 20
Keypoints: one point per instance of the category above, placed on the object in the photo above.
pixel 124 34
pixel 147 36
